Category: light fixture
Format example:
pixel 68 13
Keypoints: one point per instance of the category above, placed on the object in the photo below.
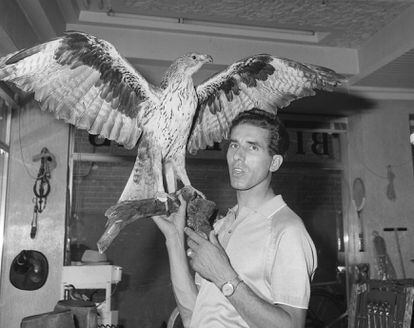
pixel 191 26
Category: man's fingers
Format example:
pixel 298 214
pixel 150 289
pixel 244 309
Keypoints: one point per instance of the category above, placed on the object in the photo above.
pixel 159 217
pixel 203 234
pixel 213 239
pixel 194 235
pixel 192 244
pixel 162 222
pixel 183 203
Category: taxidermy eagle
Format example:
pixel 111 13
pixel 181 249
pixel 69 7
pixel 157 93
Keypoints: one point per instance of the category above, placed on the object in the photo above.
pixel 86 82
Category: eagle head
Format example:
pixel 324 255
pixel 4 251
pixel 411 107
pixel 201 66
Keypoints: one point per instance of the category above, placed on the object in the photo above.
pixel 192 62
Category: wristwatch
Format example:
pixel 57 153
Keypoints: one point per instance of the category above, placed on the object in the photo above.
pixel 229 287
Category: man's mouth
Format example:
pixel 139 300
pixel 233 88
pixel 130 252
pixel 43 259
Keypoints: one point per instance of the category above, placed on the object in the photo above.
pixel 237 171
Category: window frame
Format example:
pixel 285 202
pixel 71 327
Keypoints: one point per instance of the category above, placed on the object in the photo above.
pixel 4 151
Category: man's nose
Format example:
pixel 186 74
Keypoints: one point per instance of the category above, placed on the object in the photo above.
pixel 238 154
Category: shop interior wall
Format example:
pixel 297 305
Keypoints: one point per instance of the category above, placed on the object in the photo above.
pixel 380 153
pixel 31 130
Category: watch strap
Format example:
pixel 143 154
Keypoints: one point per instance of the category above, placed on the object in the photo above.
pixel 236 281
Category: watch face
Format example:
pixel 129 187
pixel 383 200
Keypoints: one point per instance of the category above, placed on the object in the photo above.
pixel 227 289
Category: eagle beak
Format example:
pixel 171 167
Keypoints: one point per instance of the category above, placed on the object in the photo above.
pixel 208 58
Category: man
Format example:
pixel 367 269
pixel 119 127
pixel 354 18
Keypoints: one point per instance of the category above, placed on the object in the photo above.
pixel 254 270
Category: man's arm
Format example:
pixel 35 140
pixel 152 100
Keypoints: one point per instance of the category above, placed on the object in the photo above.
pixel 259 313
pixel 210 260
pixel 185 290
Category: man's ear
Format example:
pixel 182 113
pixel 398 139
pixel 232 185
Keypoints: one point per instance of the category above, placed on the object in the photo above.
pixel 277 161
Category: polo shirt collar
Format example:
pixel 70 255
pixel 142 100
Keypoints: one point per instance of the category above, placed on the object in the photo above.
pixel 266 210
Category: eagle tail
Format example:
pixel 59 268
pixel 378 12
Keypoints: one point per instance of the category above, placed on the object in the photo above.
pixel 140 187
pixel 142 182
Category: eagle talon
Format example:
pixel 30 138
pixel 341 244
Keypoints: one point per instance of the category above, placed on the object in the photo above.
pixel 163 198
pixel 189 192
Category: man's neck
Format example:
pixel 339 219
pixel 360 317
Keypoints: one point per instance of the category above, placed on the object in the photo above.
pixel 253 199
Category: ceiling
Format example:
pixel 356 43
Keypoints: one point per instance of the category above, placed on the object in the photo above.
pixel 371 42
pixel 343 23
pixel 349 23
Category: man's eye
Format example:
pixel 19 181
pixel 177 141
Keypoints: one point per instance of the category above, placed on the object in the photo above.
pixel 233 145
pixel 254 147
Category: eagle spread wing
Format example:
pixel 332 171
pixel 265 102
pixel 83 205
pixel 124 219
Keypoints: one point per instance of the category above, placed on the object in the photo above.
pixel 85 81
pixel 262 81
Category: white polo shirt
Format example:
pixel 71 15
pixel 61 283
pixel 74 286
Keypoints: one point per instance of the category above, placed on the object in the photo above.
pixel 273 254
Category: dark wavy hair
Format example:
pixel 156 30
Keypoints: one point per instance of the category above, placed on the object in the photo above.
pixel 279 138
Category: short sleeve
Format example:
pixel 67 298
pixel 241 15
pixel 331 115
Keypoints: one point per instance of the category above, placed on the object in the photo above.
pixel 293 261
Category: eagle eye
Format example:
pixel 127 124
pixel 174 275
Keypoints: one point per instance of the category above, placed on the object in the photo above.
pixel 194 57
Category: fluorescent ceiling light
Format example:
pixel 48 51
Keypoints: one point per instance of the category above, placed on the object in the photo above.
pixel 190 26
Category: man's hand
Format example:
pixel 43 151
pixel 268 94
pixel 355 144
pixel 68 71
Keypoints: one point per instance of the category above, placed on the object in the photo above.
pixel 173 225
pixel 208 258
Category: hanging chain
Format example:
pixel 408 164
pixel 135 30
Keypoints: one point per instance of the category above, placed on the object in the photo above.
pixel 41 188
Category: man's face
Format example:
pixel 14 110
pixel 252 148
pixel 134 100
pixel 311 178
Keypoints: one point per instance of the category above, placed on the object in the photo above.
pixel 248 158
